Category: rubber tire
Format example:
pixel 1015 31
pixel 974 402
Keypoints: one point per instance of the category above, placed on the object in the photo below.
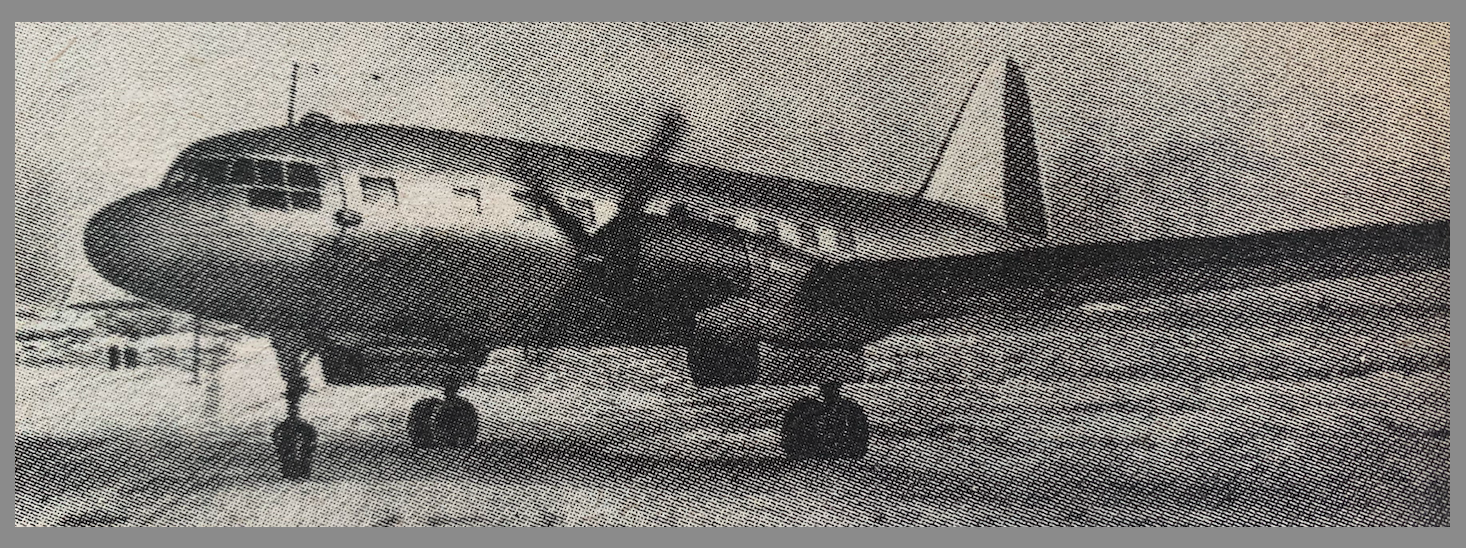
pixel 295 447
pixel 794 436
pixel 435 423
pixel 420 422
pixel 456 424
pixel 813 429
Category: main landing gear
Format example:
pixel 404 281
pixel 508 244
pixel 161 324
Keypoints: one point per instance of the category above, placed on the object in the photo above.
pixel 448 422
pixel 295 439
pixel 831 427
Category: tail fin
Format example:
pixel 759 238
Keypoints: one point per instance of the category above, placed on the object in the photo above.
pixel 989 163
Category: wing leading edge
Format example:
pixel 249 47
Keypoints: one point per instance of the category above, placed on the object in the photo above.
pixel 1062 276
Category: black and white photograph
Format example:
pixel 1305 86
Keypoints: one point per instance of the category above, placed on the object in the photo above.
pixel 732 274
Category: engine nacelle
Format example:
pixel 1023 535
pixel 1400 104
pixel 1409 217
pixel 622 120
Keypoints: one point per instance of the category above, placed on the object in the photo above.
pixel 699 262
pixel 712 363
pixel 680 258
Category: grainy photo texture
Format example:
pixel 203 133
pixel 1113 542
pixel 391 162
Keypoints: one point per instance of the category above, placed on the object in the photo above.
pixel 732 274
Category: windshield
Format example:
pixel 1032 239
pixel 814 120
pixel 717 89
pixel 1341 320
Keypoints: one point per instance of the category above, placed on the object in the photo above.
pixel 270 184
pixel 244 172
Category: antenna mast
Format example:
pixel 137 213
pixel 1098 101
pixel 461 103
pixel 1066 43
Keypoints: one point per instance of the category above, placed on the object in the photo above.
pixel 294 79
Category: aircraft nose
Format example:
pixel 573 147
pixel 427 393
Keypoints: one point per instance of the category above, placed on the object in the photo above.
pixel 121 241
pixel 192 250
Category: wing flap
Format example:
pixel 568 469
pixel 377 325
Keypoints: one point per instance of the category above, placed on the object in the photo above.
pixel 1054 277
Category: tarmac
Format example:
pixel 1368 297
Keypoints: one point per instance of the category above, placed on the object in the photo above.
pixel 1187 418
pixel 148 447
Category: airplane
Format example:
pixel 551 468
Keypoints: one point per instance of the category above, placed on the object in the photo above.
pixel 328 236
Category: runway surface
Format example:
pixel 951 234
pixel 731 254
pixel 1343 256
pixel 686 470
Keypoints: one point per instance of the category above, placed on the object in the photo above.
pixel 1010 464
pixel 1286 423
pixel 176 481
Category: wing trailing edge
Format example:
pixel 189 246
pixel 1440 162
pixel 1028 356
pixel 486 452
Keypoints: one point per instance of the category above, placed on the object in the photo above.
pixel 1071 275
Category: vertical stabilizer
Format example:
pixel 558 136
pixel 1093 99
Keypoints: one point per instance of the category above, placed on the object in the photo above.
pixel 989 162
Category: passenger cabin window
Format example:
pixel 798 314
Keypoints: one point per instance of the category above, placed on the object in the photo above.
pixel 808 236
pixel 470 200
pixel 379 191
pixel 845 240
pixel 678 211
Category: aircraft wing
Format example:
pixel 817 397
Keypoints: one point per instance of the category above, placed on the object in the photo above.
pixel 1071 275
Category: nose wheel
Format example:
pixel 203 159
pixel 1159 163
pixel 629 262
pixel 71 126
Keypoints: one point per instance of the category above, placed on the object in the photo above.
pixel 294 439
pixel 295 445
pixel 447 422
pixel 829 427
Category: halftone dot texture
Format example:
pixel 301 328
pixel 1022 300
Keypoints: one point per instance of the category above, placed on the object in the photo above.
pixel 1310 404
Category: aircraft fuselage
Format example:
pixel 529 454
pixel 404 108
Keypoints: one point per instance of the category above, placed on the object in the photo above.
pixel 361 228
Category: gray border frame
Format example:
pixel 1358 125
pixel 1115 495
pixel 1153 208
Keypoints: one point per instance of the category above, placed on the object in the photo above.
pixel 592 10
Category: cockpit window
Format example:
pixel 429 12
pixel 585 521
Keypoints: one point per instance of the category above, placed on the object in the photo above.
pixel 269 173
pixel 244 172
pixel 766 227
pixel 264 198
pixel 194 171
pixel 808 236
pixel 304 175
pixel 271 184
pixel 274 198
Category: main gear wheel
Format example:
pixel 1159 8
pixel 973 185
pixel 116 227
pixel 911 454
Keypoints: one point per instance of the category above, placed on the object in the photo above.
pixel 435 422
pixel 831 428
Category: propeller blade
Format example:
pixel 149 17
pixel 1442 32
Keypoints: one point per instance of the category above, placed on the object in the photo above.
pixel 568 223
pixel 614 235
pixel 670 131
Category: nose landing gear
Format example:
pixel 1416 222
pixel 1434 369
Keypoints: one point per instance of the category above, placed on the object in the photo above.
pixel 448 422
pixel 831 427
pixel 294 439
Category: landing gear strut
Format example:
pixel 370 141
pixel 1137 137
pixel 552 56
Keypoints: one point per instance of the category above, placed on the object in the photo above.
pixel 448 422
pixel 295 439
pixel 831 427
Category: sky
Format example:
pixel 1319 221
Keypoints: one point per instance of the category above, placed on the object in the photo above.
pixel 1144 130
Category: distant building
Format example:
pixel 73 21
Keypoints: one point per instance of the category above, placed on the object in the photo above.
pixel 99 325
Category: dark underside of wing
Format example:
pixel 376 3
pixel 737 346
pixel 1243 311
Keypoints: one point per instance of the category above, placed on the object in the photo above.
pixel 1072 275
